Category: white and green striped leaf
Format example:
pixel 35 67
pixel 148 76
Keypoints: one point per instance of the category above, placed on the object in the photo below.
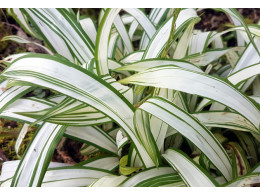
pixel 235 14
pixel 102 162
pixel 87 88
pixel 132 57
pixel 73 176
pixel 209 56
pixel 9 59
pixel 89 28
pixel 248 143
pixel 9 168
pixel 68 112
pixel 184 80
pixel 160 38
pixel 94 136
pixel 144 135
pixel 9 95
pixel 244 74
pixel 121 141
pixel 113 50
pixel 249 180
pixel 20 138
pixel 249 56
pixel 156 16
pixel 146 176
pixel 72 112
pixel 128 46
pixel 132 30
pixel 198 41
pixel 88 150
pixel 192 174
pixel 167 180
pixel 63 34
pixel 101 50
pixel 188 126
pixel 25 105
pixel 32 167
pixel 184 41
pixel 58 175
pixel 159 130
pixel 22 20
pixel 240 163
pixel 18 39
pixel 151 63
pixel 227 120
pixel 109 181
pixel 140 17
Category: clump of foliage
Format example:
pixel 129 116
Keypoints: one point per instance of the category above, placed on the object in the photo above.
pixel 154 98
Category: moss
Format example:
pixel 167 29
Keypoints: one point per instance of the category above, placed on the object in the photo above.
pixel 7 145
pixel 248 21
pixel 26 141
pixel 4 31
pixel 92 13
pixel 8 138
pixel 20 49
pixel 97 154
pixel 9 128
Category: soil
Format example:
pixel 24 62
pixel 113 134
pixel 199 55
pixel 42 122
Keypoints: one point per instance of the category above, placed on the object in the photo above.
pixel 68 152
pixel 212 20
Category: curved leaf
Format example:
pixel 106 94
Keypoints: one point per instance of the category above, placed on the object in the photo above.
pixel 62 33
pixel 146 175
pixel 57 74
pixel 244 74
pixel 154 62
pixel 32 167
pixel 228 120
pixel 188 81
pixel 191 129
pixel 192 174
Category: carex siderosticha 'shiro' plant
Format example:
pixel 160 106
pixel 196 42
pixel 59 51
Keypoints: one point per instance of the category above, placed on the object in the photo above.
pixel 167 104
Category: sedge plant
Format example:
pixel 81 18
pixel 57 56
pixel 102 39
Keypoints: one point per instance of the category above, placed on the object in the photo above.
pixel 166 104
